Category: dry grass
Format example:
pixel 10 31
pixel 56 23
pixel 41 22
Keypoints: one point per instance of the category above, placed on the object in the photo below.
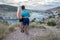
pixel 32 25
pixel 12 26
pixel 37 25
pixel 6 29
pixel 15 25
pixel 49 35
pixel 3 30
pixel 54 19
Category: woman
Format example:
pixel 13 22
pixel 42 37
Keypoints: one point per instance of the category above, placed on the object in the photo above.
pixel 20 18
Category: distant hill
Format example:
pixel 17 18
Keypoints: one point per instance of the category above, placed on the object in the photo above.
pixel 54 9
pixel 7 7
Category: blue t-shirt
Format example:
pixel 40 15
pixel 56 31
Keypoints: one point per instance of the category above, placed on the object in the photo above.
pixel 25 13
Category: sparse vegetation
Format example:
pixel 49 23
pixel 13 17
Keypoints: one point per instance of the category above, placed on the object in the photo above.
pixel 41 22
pixel 11 29
pixel 50 16
pixel 4 22
pixel 33 20
pixel 51 23
pixel 59 15
pixel 3 29
pixel 47 37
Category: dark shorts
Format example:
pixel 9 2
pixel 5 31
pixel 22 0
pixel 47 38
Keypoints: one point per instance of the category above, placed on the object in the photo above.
pixel 25 21
pixel 20 20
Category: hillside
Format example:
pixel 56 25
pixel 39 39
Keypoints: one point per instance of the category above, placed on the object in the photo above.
pixel 8 8
pixel 7 11
pixel 57 10
pixel 36 32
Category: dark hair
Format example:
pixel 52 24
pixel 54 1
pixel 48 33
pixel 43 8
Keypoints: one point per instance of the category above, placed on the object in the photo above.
pixel 22 7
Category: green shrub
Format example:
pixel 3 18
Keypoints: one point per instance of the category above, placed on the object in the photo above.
pixel 33 20
pixel 50 16
pixel 51 23
pixel 59 15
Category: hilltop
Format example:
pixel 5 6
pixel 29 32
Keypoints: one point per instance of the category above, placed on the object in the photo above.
pixel 7 7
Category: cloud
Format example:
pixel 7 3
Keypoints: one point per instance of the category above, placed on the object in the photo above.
pixel 36 4
pixel 12 1
pixel 43 2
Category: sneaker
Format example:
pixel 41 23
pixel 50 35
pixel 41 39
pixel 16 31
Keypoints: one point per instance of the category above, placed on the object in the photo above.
pixel 22 31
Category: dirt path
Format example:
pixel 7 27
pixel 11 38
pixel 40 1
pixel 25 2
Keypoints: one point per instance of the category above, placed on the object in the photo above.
pixel 17 35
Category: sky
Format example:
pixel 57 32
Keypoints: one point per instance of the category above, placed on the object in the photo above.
pixel 36 4
pixel 41 1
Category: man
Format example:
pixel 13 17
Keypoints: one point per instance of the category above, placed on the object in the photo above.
pixel 25 15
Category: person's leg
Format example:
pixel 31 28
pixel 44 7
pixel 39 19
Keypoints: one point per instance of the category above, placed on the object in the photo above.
pixel 21 25
pixel 26 24
pixel 26 29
